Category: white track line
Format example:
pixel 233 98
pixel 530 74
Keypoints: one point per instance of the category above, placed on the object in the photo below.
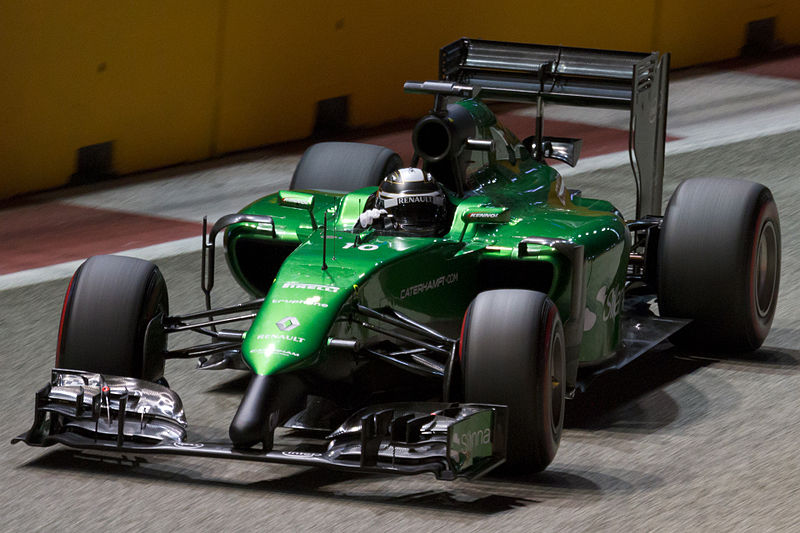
pixel 718 135
pixel 706 111
pixel 65 270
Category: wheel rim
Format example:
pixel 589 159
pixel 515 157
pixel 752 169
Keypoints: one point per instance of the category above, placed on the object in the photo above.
pixel 556 356
pixel 766 265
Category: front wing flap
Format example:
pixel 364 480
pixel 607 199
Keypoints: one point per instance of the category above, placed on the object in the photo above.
pixel 100 412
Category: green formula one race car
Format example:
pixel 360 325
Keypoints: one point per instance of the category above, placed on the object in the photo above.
pixel 431 318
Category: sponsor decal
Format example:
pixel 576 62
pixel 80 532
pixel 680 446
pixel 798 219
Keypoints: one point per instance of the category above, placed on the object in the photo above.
pixel 269 350
pixel 393 199
pixel 187 444
pixel 301 454
pixel 483 215
pixel 313 300
pixel 280 337
pixel 420 199
pixel 470 439
pixel 286 353
pixel 288 323
pixel 447 279
pixel 310 286
pixel 612 302
pixel 488 214
pixel 362 247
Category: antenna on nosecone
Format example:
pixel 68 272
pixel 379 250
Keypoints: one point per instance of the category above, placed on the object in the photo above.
pixel 335 211
pixel 324 239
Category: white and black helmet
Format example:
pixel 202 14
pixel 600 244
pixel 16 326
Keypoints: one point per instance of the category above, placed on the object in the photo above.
pixel 414 200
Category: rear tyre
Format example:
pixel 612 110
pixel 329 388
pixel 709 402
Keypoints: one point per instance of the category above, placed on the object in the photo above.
pixel 111 322
pixel 719 263
pixel 512 353
pixel 344 167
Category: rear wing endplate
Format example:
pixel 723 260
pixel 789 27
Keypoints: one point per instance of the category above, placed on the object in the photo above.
pixel 509 72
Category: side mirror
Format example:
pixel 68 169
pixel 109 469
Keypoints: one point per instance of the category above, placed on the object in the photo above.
pixel 564 149
pixel 302 200
pixel 299 200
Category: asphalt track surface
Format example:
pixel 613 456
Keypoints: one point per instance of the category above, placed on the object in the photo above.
pixel 678 440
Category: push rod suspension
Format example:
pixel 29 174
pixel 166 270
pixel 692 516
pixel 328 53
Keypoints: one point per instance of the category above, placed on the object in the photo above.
pixel 187 327
pixel 201 350
pixel 404 322
pixel 247 306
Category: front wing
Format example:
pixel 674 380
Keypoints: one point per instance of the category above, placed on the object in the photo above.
pixel 100 412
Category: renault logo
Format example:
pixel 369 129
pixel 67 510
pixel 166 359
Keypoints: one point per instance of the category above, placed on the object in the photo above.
pixel 288 323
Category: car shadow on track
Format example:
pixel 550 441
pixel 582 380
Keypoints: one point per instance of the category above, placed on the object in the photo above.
pixel 634 399
pixel 606 404
pixel 611 397
pixel 304 482
pixel 236 385
pixel 766 360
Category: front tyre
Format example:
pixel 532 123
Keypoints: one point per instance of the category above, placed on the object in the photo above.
pixel 512 353
pixel 719 263
pixel 111 322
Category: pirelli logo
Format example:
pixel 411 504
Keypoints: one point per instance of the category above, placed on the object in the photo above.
pixel 310 286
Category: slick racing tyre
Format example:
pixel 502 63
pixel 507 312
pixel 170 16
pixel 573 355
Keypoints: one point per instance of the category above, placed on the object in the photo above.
pixel 512 353
pixel 111 321
pixel 344 167
pixel 719 263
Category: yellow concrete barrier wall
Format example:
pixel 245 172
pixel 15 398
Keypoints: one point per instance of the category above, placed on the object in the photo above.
pixel 788 21
pixel 278 63
pixel 77 73
pixel 699 32
pixel 172 81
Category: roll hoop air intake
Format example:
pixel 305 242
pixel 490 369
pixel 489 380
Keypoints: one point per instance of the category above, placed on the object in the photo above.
pixel 438 136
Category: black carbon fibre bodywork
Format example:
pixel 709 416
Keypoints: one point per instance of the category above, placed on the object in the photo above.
pixel 95 412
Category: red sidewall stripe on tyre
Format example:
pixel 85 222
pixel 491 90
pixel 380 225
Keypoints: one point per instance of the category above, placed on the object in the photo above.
pixel 60 345
pixel 461 337
pixel 546 375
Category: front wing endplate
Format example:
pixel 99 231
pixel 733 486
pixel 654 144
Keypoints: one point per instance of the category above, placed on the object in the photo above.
pixel 98 412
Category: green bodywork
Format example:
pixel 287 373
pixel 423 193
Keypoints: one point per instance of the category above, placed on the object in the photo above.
pixel 431 280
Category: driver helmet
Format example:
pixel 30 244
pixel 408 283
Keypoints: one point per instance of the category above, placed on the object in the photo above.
pixel 414 200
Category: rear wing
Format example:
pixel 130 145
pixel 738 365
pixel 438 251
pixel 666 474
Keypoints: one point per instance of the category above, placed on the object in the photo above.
pixel 526 73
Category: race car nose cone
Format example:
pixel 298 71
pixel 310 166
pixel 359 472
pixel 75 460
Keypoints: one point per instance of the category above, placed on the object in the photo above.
pixel 267 403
